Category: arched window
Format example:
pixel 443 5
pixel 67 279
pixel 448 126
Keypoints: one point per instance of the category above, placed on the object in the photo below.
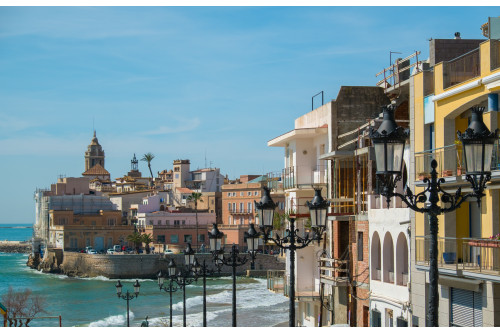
pixel 375 257
pixel 401 260
pixel 388 252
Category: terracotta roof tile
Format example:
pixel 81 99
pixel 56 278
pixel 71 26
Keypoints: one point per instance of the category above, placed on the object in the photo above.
pixel 96 170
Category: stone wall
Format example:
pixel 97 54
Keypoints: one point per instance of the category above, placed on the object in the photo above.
pixel 138 266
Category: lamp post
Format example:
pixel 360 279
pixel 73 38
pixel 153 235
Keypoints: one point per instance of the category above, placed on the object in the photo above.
pixel 203 271
pixel 184 277
pixel 389 142
pixel 170 287
pixel 233 260
pixel 128 296
pixel 291 241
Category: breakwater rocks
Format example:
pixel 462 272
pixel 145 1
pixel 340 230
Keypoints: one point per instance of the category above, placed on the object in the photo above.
pixel 15 246
pixel 124 266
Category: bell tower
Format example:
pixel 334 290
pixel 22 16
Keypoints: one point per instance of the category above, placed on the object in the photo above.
pixel 94 154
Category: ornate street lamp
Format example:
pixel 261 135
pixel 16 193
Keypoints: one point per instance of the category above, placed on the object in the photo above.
pixel 477 141
pixel 291 241
pixel 170 287
pixel 252 238
pixel 232 261
pixel 203 271
pixel 128 296
pixel 184 277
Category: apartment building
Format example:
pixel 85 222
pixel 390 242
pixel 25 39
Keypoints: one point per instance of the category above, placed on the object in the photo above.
pixel 462 74
pixel 238 206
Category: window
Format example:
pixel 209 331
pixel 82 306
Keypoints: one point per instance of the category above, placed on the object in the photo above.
pixel 167 222
pixel 401 322
pixel 241 220
pixel 183 222
pixel 376 318
pixel 111 221
pixel 242 207
pixel 201 238
pixel 228 194
pixel 256 193
pixel 159 222
pixel 177 222
pixel 62 221
pixel 150 222
pixel 161 238
pixel 188 238
pixel 249 207
pixel 234 207
pixel 249 193
pixel 230 220
pixel 242 193
pixel 360 246
pixel 229 206
pixel 234 194
pixel 174 238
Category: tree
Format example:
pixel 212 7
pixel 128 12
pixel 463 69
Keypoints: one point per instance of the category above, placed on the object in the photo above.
pixel 195 197
pixel 147 239
pixel 136 239
pixel 22 305
pixel 148 157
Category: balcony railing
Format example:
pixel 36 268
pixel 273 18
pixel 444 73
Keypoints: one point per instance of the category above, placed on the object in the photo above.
pixel 389 276
pixel 450 161
pixel 402 279
pixel 275 280
pixel 241 212
pixel 462 68
pixel 471 256
pixel 334 270
pixel 303 176
pixel 376 274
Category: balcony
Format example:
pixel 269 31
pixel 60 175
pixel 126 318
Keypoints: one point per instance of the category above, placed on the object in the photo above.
pixel 241 212
pixel 303 177
pixel 334 271
pixel 275 281
pixel 376 274
pixel 467 257
pixel 463 68
pixel 450 161
pixel 389 276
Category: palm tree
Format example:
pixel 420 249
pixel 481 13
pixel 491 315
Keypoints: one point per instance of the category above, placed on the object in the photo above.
pixel 147 239
pixel 148 157
pixel 195 197
pixel 136 239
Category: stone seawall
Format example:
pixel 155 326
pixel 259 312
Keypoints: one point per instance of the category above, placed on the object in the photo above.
pixel 15 247
pixel 136 265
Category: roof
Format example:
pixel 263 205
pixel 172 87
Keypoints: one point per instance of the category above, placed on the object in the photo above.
pixel 183 190
pixel 259 179
pixel 281 140
pixel 96 170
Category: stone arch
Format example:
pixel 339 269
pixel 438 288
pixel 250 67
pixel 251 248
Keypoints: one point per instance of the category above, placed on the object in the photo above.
pixel 388 263
pixel 401 260
pixel 375 257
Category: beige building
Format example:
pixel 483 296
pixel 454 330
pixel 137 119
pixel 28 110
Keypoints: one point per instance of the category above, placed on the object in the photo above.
pixel 74 232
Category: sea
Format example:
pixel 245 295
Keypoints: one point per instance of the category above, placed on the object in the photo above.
pixel 92 302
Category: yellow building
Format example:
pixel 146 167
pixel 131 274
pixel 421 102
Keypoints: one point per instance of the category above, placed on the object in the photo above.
pixel 100 231
pixel 469 262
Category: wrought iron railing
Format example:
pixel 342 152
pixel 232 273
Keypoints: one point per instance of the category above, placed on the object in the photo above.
pixel 466 254
pixel 450 161
pixel 310 176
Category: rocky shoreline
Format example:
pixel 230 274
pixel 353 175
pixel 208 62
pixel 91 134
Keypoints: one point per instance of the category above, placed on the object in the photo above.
pixel 15 247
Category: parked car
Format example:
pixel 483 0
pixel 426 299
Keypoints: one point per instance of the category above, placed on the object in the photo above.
pixel 110 251
pixel 91 251
pixel 117 248
pixel 168 251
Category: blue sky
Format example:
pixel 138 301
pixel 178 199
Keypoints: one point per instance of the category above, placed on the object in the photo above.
pixel 182 82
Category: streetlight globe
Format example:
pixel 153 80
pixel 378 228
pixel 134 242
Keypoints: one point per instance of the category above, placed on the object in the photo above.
pixel 189 255
pixel 161 278
pixel 252 239
pixel 478 142
pixel 318 208
pixel 137 287
pixel 118 288
pixel 172 268
pixel 265 209
pixel 215 237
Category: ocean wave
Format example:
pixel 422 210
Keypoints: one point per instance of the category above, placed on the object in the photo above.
pixel 192 319
pixel 112 321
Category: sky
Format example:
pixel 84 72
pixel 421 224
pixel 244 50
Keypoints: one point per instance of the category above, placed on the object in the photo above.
pixel 209 84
